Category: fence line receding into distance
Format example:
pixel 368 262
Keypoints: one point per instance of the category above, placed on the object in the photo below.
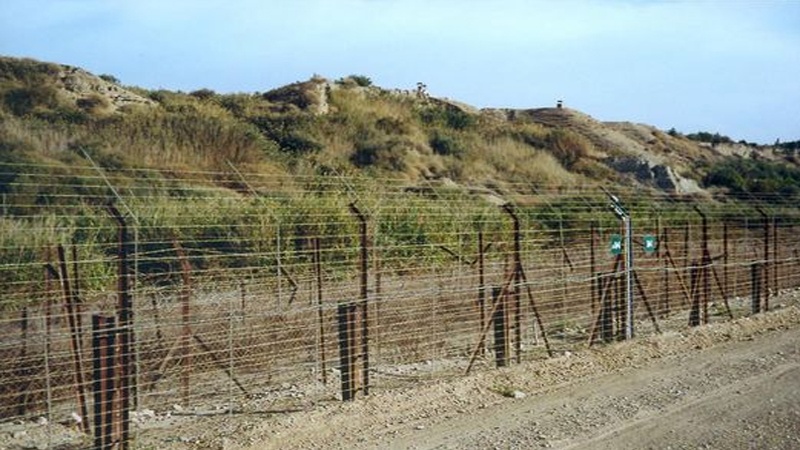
pixel 270 294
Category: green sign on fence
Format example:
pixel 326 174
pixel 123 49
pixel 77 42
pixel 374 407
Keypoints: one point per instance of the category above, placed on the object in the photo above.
pixel 650 243
pixel 616 244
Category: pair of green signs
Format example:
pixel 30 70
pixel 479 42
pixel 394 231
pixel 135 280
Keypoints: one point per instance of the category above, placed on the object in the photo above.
pixel 650 244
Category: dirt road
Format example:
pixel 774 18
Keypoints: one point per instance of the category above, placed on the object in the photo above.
pixel 727 385
pixel 743 394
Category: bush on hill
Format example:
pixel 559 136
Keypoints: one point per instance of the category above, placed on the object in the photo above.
pixel 752 176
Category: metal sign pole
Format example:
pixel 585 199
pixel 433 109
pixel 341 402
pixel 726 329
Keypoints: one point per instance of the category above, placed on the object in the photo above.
pixel 629 277
pixel 623 215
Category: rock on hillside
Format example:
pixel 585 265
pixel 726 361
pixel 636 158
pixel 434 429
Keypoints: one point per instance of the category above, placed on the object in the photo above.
pixel 311 95
pixel 82 86
pixel 641 152
pixel 72 85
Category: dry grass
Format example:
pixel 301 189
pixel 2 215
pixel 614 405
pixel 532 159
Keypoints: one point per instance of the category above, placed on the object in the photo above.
pixel 508 159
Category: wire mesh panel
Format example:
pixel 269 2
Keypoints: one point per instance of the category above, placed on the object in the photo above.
pixel 251 294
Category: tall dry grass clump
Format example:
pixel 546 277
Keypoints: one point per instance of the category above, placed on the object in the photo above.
pixel 508 159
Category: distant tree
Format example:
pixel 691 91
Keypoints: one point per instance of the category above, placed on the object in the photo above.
pixel 361 80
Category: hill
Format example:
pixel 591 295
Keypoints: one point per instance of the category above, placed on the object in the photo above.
pixel 57 116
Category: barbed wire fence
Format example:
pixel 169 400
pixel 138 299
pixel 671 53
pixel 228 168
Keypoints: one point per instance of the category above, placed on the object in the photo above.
pixel 135 295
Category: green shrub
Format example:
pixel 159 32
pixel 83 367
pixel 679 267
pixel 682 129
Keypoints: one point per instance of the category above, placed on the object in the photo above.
pixel 292 132
pixel 712 138
pixel 437 115
pixel 23 101
pixel 743 176
pixel 361 80
pixel 110 78
pixel 352 81
pixel 446 145
pixel 203 94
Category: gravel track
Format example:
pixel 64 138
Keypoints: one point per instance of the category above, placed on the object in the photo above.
pixel 727 385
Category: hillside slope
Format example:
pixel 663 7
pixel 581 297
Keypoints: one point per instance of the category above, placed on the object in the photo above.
pixel 57 115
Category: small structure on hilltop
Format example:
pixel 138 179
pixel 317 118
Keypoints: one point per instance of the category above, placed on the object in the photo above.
pixel 422 90
pixel 560 104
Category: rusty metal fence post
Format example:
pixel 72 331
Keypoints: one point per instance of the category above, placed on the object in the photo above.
pixel 756 271
pixel 320 321
pixel 344 317
pixel 499 319
pixel 125 315
pixel 103 380
pixel 73 319
pixel 706 267
pixel 186 330
pixel 353 323
pixel 765 285
pixel 775 258
pixel 481 287
pixel 665 256
pixel 516 283
pixel 363 304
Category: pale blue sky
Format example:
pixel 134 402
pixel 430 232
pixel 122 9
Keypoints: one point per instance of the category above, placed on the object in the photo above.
pixel 724 66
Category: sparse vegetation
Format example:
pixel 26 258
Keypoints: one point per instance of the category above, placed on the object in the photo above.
pixel 790 146
pixel 361 80
pixel 203 94
pixel 568 147
pixel 110 78
pixel 711 138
